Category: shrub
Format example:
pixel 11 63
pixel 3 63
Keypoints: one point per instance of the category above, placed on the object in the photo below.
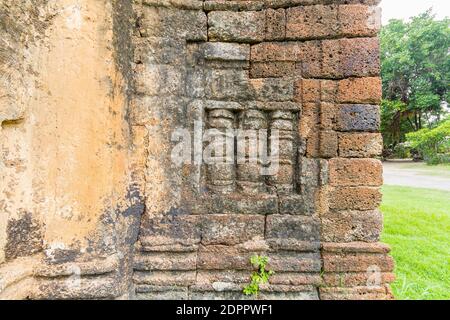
pixel 402 151
pixel 433 144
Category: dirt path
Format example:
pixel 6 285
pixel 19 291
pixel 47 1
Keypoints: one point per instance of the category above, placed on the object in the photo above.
pixel 416 175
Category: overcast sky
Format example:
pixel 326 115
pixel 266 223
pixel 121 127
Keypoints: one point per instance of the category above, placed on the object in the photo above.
pixel 404 9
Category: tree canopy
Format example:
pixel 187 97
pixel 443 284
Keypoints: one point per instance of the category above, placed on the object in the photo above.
pixel 416 75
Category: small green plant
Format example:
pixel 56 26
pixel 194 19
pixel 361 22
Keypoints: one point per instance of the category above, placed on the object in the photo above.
pixel 259 277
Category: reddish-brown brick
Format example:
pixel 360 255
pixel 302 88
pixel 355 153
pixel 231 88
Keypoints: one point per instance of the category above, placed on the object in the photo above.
pixel 309 120
pixel 275 51
pixel 355 198
pixel 328 144
pixel 273 69
pixel 310 55
pixel 327 115
pixel 351 226
pixel 329 90
pixel 356 262
pixel 309 128
pixel 310 90
pixel 355 247
pixel 355 172
pixel 358 57
pixel 359 20
pixel 360 145
pixel 360 90
pixel 357 117
pixel 356 293
pixel 275 24
pixel 311 22
pixel 352 279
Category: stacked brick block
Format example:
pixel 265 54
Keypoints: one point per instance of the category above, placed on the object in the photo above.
pixel 308 67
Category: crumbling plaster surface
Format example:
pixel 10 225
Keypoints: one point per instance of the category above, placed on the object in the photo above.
pixel 65 141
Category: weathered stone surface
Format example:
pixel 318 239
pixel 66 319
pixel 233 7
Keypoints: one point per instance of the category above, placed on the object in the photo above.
pixel 296 279
pixel 272 69
pixel 295 262
pixel 308 90
pixel 329 21
pixel 276 51
pixel 355 117
pixel 353 279
pixel 356 172
pixel 164 278
pixel 357 263
pixel 232 229
pixel 87 289
pixel 355 293
pixel 311 22
pixel 311 57
pixel 181 4
pixel 355 247
pixel 269 292
pixel 294 205
pixel 150 292
pixel 227 85
pixel 24 237
pixel 327 115
pixel 272 89
pixel 275 24
pixel 146 51
pixel 360 90
pixel 355 198
pixel 293 245
pixel 334 59
pixel 350 226
pixel 247 26
pixel 226 51
pixel 233 5
pixel 224 258
pixel 360 145
pixel 309 128
pixel 328 144
pixel 165 261
pixel 182 227
pixel 222 276
pixel 292 227
pixel 310 171
pixel 359 20
pixel 173 23
pixel 350 58
pixel 236 204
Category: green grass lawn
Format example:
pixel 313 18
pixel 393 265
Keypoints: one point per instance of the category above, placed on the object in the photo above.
pixel 417 226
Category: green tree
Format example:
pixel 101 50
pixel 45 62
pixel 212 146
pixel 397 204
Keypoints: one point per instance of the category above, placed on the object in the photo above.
pixel 416 75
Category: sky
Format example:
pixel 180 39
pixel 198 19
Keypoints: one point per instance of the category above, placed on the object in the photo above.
pixel 404 9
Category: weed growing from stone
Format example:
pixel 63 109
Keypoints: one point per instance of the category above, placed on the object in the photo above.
pixel 258 277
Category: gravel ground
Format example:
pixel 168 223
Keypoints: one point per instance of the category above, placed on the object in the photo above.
pixel 417 175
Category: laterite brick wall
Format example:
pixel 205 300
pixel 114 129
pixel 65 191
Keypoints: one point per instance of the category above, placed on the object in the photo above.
pixel 308 68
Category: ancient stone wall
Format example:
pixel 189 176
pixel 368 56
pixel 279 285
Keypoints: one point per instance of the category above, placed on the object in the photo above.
pixel 93 204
